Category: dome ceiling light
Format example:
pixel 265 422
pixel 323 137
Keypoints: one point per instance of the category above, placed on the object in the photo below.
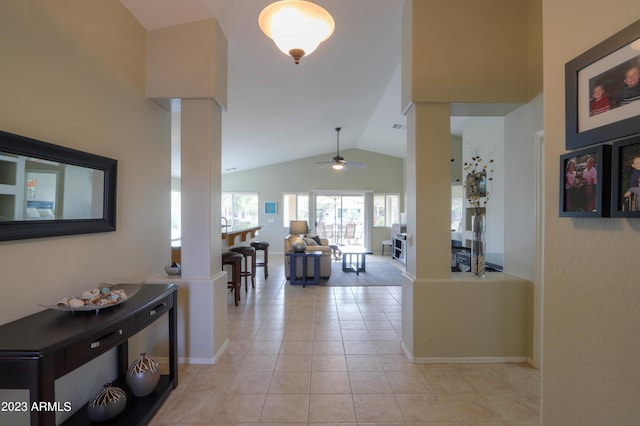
pixel 296 26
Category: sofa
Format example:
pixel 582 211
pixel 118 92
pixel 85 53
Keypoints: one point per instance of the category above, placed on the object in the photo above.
pixel 325 258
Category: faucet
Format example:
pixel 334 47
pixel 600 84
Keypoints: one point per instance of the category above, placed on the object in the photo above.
pixel 226 223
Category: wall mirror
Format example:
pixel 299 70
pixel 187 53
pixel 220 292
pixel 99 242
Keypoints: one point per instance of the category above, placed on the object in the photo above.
pixel 48 190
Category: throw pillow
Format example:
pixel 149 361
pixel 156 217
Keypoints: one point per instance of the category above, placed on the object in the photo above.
pixel 316 239
pixel 310 241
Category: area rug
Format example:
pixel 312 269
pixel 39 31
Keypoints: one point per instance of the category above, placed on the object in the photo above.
pixel 378 273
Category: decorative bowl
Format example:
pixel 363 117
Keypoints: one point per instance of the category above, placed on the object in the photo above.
pixel 173 270
pixel 105 301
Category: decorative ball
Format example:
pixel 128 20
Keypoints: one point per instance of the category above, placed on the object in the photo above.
pixel 143 375
pixel 298 245
pixel 107 404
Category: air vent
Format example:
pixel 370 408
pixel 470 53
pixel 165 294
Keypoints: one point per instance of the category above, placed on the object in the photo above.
pixel 398 126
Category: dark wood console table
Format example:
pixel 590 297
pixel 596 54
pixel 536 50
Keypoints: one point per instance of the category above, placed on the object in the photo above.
pixel 293 267
pixel 38 349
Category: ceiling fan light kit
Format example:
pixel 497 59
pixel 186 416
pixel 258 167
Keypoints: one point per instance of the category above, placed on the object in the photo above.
pixel 296 26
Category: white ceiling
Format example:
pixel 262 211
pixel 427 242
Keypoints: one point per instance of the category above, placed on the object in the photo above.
pixel 279 111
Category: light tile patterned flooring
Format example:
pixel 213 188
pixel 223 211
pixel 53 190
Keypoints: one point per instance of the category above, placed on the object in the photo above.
pixel 320 355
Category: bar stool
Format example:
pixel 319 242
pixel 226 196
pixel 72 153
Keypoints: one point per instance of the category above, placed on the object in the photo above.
pixel 247 251
pixel 264 246
pixel 235 261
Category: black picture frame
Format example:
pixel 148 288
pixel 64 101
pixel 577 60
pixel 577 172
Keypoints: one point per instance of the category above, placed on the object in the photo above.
pixel 623 155
pixel 604 65
pixel 579 195
pixel 26 229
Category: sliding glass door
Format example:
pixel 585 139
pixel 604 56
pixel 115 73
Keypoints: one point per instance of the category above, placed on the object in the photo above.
pixel 341 218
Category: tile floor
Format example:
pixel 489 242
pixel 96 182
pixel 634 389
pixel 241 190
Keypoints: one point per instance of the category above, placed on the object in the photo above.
pixel 320 355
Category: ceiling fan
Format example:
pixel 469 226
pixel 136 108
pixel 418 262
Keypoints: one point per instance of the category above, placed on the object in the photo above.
pixel 338 162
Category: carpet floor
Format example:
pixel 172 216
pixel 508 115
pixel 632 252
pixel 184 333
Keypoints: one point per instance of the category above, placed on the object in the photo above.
pixel 381 271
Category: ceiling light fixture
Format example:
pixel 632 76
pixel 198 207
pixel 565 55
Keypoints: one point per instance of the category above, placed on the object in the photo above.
pixel 296 26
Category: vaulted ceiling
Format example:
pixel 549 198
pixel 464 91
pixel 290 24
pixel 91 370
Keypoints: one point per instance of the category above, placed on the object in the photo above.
pixel 279 111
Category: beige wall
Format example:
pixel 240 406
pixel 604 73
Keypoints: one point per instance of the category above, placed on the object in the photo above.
pixel 481 59
pixel 534 48
pixel 591 293
pixel 61 82
pixel 478 62
pixel 73 74
pixel 382 174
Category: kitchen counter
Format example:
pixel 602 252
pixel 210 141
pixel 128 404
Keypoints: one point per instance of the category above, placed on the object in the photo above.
pixel 231 233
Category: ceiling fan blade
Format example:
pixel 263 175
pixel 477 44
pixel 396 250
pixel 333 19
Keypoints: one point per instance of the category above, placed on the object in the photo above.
pixel 350 163
pixel 338 162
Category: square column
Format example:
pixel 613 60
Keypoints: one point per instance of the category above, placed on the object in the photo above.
pixel 201 141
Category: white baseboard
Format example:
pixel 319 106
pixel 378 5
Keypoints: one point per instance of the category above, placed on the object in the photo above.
pixel 163 360
pixel 407 352
pixel 206 361
pixel 471 360
pixel 223 348
pixel 465 360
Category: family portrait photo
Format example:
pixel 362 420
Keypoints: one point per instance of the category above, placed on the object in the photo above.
pixel 615 88
pixel 602 90
pixel 580 181
pixel 585 177
pixel 626 165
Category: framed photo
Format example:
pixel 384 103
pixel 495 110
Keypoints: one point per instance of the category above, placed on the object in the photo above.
pixel 585 182
pixel 602 90
pixel 625 192
pixel 270 208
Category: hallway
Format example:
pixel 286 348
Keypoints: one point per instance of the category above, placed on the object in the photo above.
pixel 333 355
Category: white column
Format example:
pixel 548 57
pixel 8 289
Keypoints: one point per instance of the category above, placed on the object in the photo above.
pixel 189 62
pixel 201 175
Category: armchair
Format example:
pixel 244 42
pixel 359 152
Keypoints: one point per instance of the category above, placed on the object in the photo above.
pixel 325 258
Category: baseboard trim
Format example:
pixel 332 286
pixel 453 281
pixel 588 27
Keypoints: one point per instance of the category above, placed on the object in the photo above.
pixel 465 359
pixel 163 360
pixel 189 360
pixel 407 352
pixel 223 348
pixel 472 360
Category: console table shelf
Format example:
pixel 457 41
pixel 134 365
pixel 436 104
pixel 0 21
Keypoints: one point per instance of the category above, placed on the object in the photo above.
pixel 40 348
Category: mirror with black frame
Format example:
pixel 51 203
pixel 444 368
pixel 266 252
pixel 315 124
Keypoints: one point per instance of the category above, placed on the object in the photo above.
pixel 49 190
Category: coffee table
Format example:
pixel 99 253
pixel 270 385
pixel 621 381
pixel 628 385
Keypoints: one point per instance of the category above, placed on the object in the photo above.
pixel 360 253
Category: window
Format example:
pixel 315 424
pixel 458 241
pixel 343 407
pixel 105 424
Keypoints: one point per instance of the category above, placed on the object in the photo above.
pixel 176 219
pixel 296 207
pixel 456 207
pixel 240 209
pixel 386 209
